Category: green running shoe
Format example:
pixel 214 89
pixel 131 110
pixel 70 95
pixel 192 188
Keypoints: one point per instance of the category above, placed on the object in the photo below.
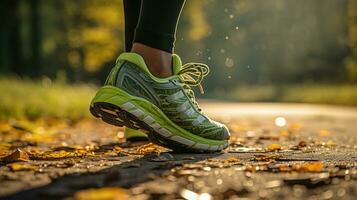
pixel 165 108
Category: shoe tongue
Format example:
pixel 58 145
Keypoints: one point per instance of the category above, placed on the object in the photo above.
pixel 176 64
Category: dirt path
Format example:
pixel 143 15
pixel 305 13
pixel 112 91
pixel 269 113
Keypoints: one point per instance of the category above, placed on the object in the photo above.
pixel 277 151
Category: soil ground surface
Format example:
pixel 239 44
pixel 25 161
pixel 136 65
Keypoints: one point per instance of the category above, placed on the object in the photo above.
pixel 277 151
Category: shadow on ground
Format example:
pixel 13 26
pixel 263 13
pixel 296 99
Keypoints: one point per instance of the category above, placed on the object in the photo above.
pixel 123 175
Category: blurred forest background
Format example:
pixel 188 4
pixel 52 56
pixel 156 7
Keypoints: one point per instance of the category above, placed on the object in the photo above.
pixel 258 50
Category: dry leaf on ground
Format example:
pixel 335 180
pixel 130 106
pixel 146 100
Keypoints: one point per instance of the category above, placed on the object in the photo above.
pixel 309 167
pixel 17 155
pixel 118 149
pixel 274 147
pixel 109 193
pixel 302 143
pixel 21 167
pixel 305 167
pixel 149 148
pixel 266 158
pixel 232 160
pixel 62 154
pixel 269 137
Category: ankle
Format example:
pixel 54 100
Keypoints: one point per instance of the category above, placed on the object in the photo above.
pixel 158 61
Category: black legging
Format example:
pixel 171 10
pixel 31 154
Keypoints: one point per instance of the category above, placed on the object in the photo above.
pixel 152 22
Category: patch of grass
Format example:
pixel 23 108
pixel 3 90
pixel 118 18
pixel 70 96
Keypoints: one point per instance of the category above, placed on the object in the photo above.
pixel 327 94
pixel 305 93
pixel 45 98
pixel 22 98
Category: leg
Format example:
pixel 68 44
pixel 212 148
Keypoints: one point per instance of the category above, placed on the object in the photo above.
pixel 131 15
pixel 155 34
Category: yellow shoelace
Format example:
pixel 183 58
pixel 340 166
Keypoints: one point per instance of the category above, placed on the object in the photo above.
pixel 192 74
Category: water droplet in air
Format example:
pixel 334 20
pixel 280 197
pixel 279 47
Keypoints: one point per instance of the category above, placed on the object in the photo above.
pixel 222 51
pixel 226 10
pixel 231 16
pixel 226 37
pixel 229 77
pixel 209 58
pixel 237 27
pixel 229 62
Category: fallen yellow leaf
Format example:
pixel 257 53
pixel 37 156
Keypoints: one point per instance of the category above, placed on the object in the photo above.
pixel 266 158
pixel 274 147
pixel 17 155
pixel 21 167
pixel 314 167
pixel 4 127
pixel 4 146
pixel 268 137
pixel 284 168
pixel 309 167
pixel 149 148
pixel 59 154
pixel 62 154
pixel 109 193
pixel 232 160
pixel 118 149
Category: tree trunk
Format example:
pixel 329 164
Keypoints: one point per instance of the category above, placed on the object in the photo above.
pixel 11 57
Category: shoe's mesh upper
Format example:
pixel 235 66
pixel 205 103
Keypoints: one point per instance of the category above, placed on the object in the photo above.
pixel 170 97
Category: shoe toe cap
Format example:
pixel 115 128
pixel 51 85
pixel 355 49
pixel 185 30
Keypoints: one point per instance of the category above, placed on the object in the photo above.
pixel 225 133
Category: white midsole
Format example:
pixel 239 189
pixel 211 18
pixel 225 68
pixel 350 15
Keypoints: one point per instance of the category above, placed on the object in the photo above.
pixel 150 121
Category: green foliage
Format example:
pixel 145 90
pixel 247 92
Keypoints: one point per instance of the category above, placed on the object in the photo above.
pixel 25 98
pixel 254 46
pixel 79 37
pixel 327 94
pixel 270 42
pixel 351 65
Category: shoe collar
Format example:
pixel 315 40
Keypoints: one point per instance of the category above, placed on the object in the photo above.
pixel 138 60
